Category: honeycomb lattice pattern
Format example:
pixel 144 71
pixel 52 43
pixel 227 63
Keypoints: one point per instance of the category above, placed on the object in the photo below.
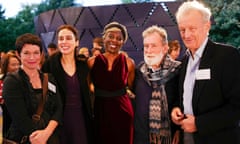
pixel 90 22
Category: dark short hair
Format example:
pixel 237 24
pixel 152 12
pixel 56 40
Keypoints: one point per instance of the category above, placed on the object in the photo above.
pixel 98 40
pixel 173 45
pixel 27 38
pixel 52 45
pixel 69 27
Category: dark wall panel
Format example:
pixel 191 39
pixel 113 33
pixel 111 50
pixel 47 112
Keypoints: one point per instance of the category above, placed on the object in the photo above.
pixel 90 22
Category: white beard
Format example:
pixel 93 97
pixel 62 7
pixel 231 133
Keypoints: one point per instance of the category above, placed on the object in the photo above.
pixel 156 60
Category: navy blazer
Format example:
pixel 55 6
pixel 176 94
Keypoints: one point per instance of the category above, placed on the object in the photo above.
pixel 216 101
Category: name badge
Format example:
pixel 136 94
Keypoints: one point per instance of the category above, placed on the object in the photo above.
pixel 203 74
pixel 51 87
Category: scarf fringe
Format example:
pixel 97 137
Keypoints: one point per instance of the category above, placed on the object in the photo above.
pixel 158 139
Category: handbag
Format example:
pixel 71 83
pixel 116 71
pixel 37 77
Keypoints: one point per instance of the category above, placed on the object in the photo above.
pixel 8 141
pixel 35 117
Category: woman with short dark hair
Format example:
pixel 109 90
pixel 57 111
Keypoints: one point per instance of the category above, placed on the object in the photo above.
pixel 25 100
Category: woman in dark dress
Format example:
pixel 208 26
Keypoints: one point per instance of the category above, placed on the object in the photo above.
pixel 111 73
pixel 71 75
pixel 23 93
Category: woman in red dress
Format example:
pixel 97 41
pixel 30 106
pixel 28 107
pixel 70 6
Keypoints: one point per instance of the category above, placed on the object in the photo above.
pixel 111 73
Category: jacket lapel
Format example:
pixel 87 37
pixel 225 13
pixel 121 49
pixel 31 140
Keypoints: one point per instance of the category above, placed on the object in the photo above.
pixel 205 63
pixel 59 72
pixel 182 77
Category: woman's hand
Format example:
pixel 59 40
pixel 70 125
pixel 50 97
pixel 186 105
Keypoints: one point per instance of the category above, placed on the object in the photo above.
pixel 39 137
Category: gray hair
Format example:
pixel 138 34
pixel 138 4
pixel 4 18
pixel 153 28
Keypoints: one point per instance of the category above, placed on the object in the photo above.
pixel 159 30
pixel 189 6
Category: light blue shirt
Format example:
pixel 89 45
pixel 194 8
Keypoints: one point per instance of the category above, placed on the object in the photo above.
pixel 190 77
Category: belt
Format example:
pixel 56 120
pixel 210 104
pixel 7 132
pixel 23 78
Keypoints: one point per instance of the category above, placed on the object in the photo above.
pixel 104 93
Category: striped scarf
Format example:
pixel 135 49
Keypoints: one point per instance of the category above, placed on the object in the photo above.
pixel 159 120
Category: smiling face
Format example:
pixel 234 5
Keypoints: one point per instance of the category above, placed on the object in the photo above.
pixel 193 29
pixel 30 56
pixel 67 42
pixel 13 65
pixel 154 49
pixel 113 41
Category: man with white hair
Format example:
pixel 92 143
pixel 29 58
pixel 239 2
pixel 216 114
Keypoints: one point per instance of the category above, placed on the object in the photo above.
pixel 209 108
pixel 156 90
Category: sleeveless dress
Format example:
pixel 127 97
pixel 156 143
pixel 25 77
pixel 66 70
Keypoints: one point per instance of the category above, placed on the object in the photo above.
pixel 113 108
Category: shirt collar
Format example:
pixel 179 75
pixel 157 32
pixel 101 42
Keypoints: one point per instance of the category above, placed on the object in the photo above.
pixel 199 51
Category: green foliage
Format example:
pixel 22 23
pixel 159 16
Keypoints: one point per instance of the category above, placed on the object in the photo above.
pixel 53 4
pixel 126 1
pixel 6 34
pixel 11 28
pixel 135 1
pixel 2 11
pixel 226 26
pixel 226 14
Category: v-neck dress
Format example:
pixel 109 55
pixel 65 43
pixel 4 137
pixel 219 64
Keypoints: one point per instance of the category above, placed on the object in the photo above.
pixel 74 130
pixel 113 108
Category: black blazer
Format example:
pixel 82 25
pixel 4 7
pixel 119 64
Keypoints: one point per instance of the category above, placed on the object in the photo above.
pixel 216 101
pixel 22 103
pixel 53 65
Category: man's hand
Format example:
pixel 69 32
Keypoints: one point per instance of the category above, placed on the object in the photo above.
pixel 188 124
pixel 177 115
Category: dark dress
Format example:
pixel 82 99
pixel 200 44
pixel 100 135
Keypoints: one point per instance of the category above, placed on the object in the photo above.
pixel 113 109
pixel 74 130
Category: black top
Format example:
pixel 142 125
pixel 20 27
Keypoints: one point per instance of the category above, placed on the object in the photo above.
pixel 53 65
pixel 22 102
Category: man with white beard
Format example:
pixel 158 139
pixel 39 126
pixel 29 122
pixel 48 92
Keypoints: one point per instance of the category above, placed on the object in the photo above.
pixel 156 90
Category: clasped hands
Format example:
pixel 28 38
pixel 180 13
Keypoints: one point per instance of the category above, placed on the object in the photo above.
pixel 187 122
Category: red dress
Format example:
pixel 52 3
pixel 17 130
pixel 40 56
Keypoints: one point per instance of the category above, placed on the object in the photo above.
pixel 113 112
